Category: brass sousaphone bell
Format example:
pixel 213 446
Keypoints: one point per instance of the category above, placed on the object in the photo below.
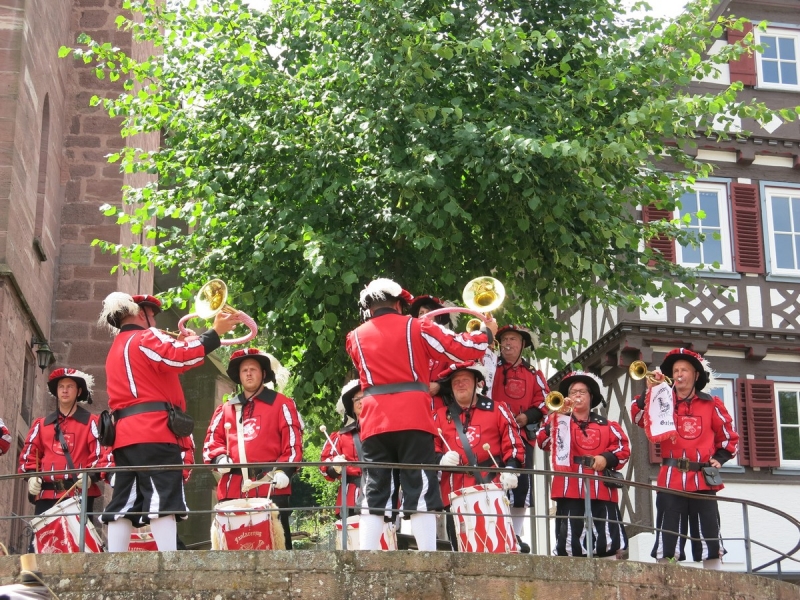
pixel 211 300
pixel 481 296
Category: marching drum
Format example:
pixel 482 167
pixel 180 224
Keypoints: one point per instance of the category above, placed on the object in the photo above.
pixel 247 524
pixel 388 537
pixel 142 541
pixel 483 520
pixel 58 530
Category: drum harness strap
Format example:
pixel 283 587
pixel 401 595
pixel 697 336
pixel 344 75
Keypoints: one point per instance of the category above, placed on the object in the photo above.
pixel 360 456
pixel 455 414
pixel 240 441
pixel 67 455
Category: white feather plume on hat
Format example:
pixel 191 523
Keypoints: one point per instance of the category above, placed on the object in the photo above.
pixel 379 289
pixel 116 305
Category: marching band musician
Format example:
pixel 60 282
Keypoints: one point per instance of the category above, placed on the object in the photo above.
pixel 345 445
pixel 258 425
pixel 144 392
pixel 65 439
pixel 697 435
pixel 420 306
pixel 5 438
pixel 392 353
pixel 469 421
pixel 585 442
pixel 523 389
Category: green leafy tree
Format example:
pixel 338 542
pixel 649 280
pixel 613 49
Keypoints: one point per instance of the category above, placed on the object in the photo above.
pixel 315 146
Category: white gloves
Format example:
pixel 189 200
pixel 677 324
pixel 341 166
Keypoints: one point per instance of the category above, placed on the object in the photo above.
pixel 508 481
pixel 112 480
pixel 338 459
pixel 79 481
pixel 247 485
pixel 34 486
pixel 280 480
pixel 224 460
pixel 450 459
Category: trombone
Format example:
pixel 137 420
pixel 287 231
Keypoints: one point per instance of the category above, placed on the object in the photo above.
pixel 481 296
pixel 638 370
pixel 211 300
pixel 557 403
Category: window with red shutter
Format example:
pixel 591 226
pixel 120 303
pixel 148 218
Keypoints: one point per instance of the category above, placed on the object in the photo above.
pixel 743 69
pixel 758 423
pixel 661 243
pixel 748 240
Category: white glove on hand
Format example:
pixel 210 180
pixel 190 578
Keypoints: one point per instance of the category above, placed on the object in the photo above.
pixel 338 459
pixel 112 480
pixel 280 480
pixel 247 485
pixel 508 481
pixel 79 481
pixel 450 459
pixel 34 486
pixel 224 460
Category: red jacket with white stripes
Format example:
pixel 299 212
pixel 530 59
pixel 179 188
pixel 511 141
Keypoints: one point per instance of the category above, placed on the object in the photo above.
pixel 344 444
pixel 598 436
pixel 704 430
pixel 272 430
pixel 488 422
pixel 391 348
pixel 524 390
pixel 5 438
pixel 143 365
pixel 42 451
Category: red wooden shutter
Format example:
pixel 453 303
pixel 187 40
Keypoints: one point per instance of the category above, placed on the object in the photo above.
pixel 743 69
pixel 748 238
pixel 758 423
pixel 661 243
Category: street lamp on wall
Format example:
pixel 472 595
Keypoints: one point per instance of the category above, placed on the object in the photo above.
pixel 44 356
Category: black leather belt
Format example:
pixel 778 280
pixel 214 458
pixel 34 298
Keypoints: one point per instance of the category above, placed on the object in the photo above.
pixel 396 388
pixel 683 464
pixel 586 461
pixel 57 486
pixel 142 407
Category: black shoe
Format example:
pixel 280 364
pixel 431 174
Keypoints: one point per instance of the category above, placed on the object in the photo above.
pixel 523 547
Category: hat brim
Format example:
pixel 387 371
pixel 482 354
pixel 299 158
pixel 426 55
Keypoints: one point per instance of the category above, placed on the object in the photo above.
pixel 235 363
pixel 669 364
pixel 527 340
pixel 83 395
pixel 594 388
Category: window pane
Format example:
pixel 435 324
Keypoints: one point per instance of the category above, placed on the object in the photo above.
pixel 712 250
pixel 691 256
pixel 769 70
pixel 784 253
pixel 709 203
pixel 780 214
pixel 688 203
pixel 786 48
pixel 770 46
pixel 796 214
pixel 788 406
pixel 790 443
pixel 796 250
pixel 789 73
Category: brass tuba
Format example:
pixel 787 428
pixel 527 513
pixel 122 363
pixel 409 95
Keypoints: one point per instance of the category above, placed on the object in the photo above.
pixel 481 296
pixel 638 370
pixel 211 300
pixel 557 403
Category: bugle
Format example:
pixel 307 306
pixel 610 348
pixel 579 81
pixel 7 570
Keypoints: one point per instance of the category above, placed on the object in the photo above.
pixel 638 370
pixel 557 403
pixel 211 300
pixel 481 296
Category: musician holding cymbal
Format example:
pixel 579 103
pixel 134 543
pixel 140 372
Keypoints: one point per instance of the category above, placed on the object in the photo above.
pixel 145 395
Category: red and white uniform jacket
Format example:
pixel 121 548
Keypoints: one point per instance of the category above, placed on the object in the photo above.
pixel 5 438
pixel 42 451
pixel 488 422
pixel 143 365
pixel 394 349
pixel 704 430
pixel 597 436
pixel 343 442
pixel 523 388
pixel 272 430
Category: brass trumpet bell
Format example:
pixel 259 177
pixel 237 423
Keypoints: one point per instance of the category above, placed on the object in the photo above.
pixel 212 299
pixel 483 294
pixel 557 403
pixel 638 370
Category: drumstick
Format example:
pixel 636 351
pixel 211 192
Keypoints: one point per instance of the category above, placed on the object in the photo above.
pixel 446 445
pixel 324 430
pixel 487 447
pixel 227 431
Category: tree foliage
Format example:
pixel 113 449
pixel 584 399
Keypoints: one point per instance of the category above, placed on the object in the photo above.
pixel 313 147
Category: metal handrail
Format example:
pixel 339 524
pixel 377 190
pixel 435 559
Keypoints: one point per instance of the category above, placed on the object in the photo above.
pixel 746 504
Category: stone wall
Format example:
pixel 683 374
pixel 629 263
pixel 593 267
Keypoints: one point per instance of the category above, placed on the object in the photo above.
pixel 375 575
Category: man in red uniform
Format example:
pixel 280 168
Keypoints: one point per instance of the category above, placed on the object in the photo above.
pixel 142 372
pixel 421 306
pixel 699 434
pixel 392 354
pixel 468 422
pixel 523 389
pixel 64 439
pixel 258 425
pixel 5 438
pixel 585 443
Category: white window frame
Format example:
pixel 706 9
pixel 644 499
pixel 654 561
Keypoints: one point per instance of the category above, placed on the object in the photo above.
pixel 769 193
pixel 726 264
pixel 784 387
pixel 784 33
pixel 727 387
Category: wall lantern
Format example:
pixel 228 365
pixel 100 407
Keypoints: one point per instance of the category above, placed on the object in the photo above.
pixel 44 356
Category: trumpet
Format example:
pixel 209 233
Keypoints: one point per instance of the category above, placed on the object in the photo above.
pixel 638 370
pixel 211 300
pixel 557 403
pixel 481 296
